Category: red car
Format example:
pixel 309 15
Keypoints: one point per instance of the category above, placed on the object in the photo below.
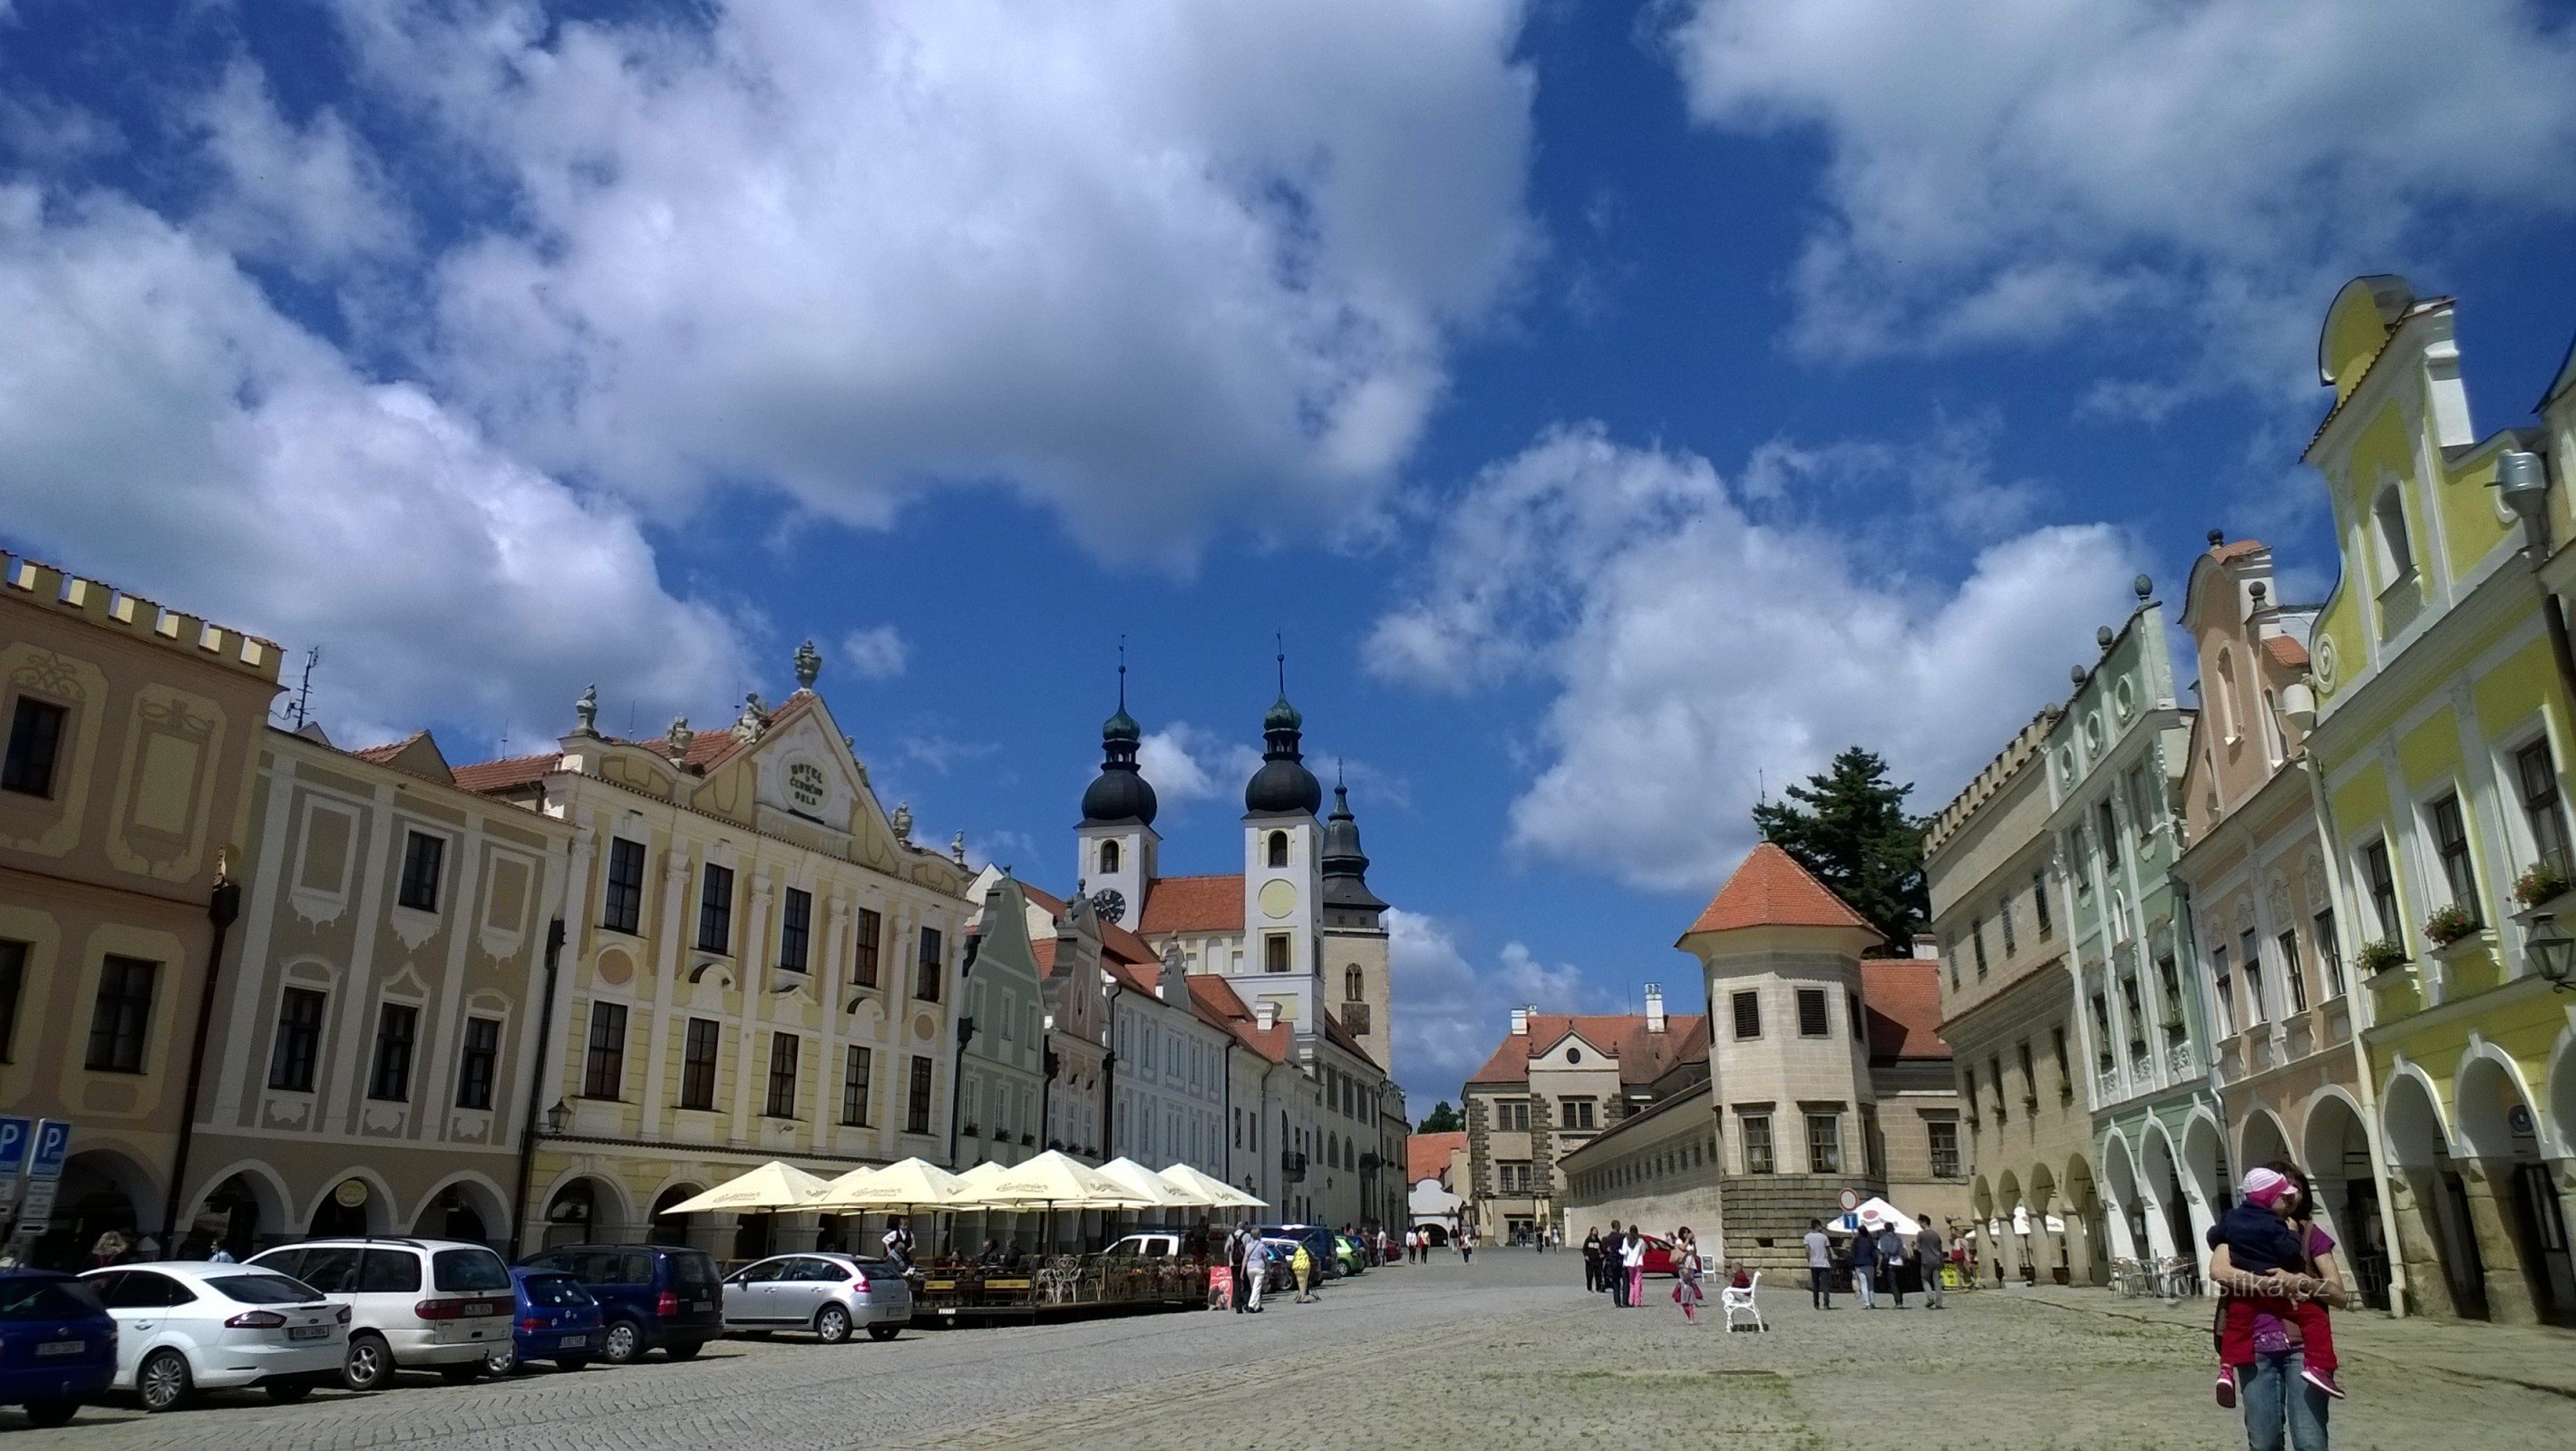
pixel 1660 1259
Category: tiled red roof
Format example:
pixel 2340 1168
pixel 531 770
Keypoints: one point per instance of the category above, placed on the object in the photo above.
pixel 1643 1056
pixel 1115 941
pixel 1903 996
pixel 1193 904
pixel 1772 890
pixel 2286 652
pixel 706 748
pixel 1218 1003
pixel 386 752
pixel 489 776
pixel 1426 1156
pixel 1043 949
pixel 2235 549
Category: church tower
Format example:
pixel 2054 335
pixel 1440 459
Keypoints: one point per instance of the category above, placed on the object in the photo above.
pixel 1354 939
pixel 1117 849
pixel 1282 871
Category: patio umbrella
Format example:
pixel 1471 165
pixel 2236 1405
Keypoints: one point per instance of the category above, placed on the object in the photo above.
pixel 905 1184
pixel 1163 1192
pixel 1055 1180
pixel 774 1185
pixel 1217 1193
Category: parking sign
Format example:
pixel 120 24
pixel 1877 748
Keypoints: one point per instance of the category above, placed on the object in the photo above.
pixel 14 1135
pixel 53 1144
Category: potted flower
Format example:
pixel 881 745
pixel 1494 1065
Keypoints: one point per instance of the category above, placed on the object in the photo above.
pixel 2448 925
pixel 2545 882
pixel 2385 955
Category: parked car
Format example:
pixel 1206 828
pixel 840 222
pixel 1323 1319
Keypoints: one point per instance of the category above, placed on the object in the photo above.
pixel 416 1304
pixel 1283 1275
pixel 557 1321
pixel 184 1327
pixel 651 1297
pixel 1317 1239
pixel 829 1294
pixel 1147 1246
pixel 57 1345
pixel 1660 1259
pixel 1352 1255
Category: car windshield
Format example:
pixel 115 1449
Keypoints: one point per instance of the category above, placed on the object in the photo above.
pixel 556 1292
pixel 264 1290
pixel 693 1274
pixel 468 1269
pixel 47 1300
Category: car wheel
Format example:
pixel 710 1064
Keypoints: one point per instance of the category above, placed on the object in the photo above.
pixel 884 1332
pixel 502 1359
pixel 623 1343
pixel 457 1375
pixel 685 1350
pixel 572 1362
pixel 832 1324
pixel 162 1380
pixel 368 1365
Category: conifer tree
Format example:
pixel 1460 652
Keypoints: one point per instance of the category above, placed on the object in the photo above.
pixel 1849 826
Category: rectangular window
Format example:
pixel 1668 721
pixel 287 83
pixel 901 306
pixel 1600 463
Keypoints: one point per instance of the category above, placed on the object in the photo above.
pixel 782 1074
pixel 699 1046
pixel 397 1030
pixel 1859 1020
pixel 2110 834
pixel 1945 1147
pixel 1814 1021
pixel 2451 844
pixel 1995 1076
pixel 2540 804
pixel 1512 1115
pixel 932 967
pixel 1977 935
pixel 2292 973
pixel 2142 806
pixel 870 935
pixel 35 739
pixel 603 1073
pixel 1757 1142
pixel 2382 881
pixel 715 910
pixel 2102 1027
pixel 1515 1176
pixel 795 929
pixel 2065 1072
pixel 916 1109
pixel 299 1041
pixel 2221 980
pixel 121 1016
pixel 2329 952
pixel 2130 1000
pixel 422 856
pixel 2039 905
pixel 2004 919
pixel 856 1064
pixel 1748 1014
pixel 13 980
pixel 624 909
pixel 1274 952
pixel 478 1063
pixel 2079 859
pixel 2029 1075
pixel 1824 1143
pixel 1578 1112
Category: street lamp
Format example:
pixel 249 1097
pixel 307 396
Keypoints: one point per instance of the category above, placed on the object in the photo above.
pixel 2552 952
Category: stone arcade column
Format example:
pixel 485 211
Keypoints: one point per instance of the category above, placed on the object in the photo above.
pixel 2508 1291
pixel 2416 1247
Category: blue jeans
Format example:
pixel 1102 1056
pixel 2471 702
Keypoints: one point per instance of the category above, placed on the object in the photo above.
pixel 1861 1275
pixel 2273 1394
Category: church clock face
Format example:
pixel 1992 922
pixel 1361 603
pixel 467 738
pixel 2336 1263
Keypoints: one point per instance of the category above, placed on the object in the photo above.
pixel 1110 903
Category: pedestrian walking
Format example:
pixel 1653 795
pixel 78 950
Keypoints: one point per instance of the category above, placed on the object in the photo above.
pixel 1891 1258
pixel 1237 1245
pixel 1686 1274
pixel 1592 1260
pixel 1633 1260
pixel 1820 1265
pixel 1614 1277
pixel 1256 1273
pixel 1302 1265
pixel 1467 1247
pixel 1930 1252
pixel 1864 1268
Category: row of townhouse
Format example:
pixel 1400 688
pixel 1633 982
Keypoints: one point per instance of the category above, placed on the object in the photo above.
pixel 2319 916
pixel 279 988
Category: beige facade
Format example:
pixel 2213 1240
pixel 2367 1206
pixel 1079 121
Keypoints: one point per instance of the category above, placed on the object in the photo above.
pixel 1657 1168
pixel 131 732
pixel 368 1069
pixel 1556 1081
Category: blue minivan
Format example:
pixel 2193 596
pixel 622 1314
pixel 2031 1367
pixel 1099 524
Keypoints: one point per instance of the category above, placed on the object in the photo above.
pixel 57 1345
pixel 651 1296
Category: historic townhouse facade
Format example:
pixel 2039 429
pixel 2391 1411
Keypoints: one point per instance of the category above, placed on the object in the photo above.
pixel 2115 756
pixel 131 736
pixel 1555 1081
pixel 758 964
pixel 369 1064
pixel 2012 1018
pixel 2441 737
pixel 1001 1061
pixel 2293 1079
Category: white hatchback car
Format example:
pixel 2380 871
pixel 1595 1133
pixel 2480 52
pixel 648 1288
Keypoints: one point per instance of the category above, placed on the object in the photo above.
pixel 418 1304
pixel 183 1327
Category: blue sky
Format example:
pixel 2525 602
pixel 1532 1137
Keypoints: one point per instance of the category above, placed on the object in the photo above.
pixel 1613 404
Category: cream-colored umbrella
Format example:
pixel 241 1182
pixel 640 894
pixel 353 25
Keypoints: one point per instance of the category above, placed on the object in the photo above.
pixel 1219 1194
pixel 1055 1180
pixel 774 1185
pixel 1164 1193
pixel 971 1180
pixel 904 1184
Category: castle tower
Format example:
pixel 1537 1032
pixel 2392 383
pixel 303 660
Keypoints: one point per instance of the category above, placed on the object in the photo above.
pixel 1356 982
pixel 1117 850
pixel 1282 870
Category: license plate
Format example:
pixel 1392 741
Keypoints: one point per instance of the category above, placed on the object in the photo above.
pixel 309 1332
pixel 702 1304
pixel 575 1342
pixel 62 1347
pixel 478 1307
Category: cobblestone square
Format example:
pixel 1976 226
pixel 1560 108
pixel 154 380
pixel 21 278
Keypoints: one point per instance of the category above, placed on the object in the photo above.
pixel 1507 1352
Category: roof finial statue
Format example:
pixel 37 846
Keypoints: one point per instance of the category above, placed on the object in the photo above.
pixel 679 737
pixel 903 821
pixel 585 712
pixel 754 718
pixel 957 848
pixel 1282 637
pixel 809 664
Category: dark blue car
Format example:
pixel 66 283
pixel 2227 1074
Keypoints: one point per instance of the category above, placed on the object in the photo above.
pixel 651 1296
pixel 558 1321
pixel 57 1345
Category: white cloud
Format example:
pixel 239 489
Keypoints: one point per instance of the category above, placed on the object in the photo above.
pixel 1450 1013
pixel 1188 763
pixel 1164 265
pixel 1693 643
pixel 2015 170
pixel 875 653
pixel 172 434
pixel 312 196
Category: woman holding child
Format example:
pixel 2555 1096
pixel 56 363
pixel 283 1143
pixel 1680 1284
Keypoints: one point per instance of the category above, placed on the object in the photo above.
pixel 2277 1273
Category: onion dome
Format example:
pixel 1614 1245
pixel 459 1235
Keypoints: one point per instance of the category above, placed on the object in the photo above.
pixel 1283 786
pixel 1120 793
pixel 1345 865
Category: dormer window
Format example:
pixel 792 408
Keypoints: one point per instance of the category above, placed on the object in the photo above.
pixel 2388 530
pixel 1108 858
pixel 1279 848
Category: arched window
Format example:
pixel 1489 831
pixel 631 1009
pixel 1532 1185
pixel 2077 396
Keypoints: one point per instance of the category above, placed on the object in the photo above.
pixel 1108 858
pixel 1279 848
pixel 1353 982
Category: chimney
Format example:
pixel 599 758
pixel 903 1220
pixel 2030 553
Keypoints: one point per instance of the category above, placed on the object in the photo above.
pixel 1926 946
pixel 1266 1015
pixel 1654 1007
pixel 1520 1022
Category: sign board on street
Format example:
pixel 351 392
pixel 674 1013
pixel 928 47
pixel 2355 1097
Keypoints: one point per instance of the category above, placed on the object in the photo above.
pixel 15 1134
pixel 1851 1221
pixel 1851 1200
pixel 53 1145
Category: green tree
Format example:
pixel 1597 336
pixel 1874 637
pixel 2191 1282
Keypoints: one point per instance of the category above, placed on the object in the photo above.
pixel 1848 825
pixel 1443 1120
